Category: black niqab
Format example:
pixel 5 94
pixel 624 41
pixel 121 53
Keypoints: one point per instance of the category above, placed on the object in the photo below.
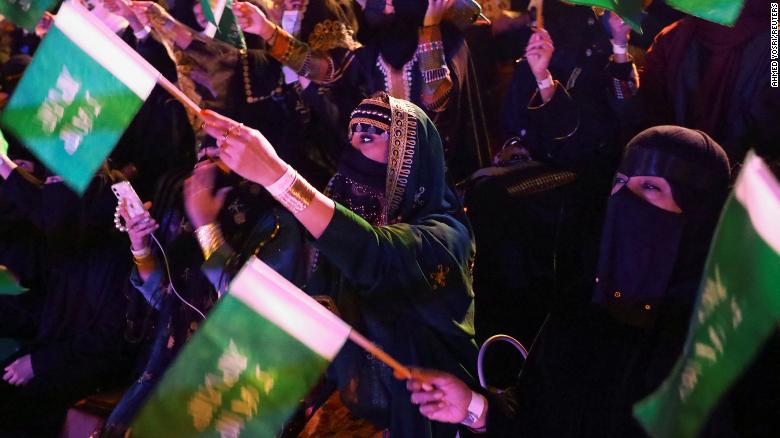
pixel 645 250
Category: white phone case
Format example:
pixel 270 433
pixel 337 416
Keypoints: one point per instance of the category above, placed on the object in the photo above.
pixel 124 191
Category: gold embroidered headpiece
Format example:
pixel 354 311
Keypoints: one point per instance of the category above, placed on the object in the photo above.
pixel 374 111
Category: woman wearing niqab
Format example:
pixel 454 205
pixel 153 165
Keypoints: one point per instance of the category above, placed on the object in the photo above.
pixel 393 249
pixel 615 333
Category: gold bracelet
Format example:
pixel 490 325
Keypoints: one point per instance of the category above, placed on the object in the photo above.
pixel 298 197
pixel 210 239
pixel 145 262
pixel 272 39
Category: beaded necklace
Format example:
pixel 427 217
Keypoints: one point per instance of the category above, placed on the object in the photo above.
pixel 406 70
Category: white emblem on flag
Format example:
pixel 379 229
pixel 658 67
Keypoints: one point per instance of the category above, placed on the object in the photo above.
pixel 58 99
pixel 206 405
pixel 24 5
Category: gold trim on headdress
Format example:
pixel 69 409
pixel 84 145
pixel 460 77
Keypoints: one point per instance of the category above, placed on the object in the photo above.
pixel 363 113
pixel 367 121
pixel 400 156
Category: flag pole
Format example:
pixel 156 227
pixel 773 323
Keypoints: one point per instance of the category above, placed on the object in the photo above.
pixel 178 94
pixel 539 16
pixel 400 370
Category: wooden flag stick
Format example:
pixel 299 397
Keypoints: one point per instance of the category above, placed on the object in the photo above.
pixel 178 94
pixel 400 370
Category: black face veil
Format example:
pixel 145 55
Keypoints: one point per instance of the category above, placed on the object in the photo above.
pixel 647 252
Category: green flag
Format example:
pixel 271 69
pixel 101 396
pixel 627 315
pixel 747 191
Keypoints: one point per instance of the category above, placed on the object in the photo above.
pixel 248 366
pixel 223 24
pixel 82 89
pixel 25 13
pixel 723 12
pixel 8 283
pixel 737 308
pixel 629 10
pixel 3 144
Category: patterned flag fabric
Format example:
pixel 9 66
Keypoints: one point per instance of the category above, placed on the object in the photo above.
pixel 737 309
pixel 223 24
pixel 629 10
pixel 249 365
pixel 723 12
pixel 25 13
pixel 82 89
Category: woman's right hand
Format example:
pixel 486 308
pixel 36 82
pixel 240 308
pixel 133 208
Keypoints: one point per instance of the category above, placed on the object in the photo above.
pixel 244 150
pixel 140 227
pixel 441 396
pixel 539 52
pixel 621 31
pixel 149 12
pixel 252 19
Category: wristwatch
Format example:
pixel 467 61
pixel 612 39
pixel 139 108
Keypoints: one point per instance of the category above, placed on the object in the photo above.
pixel 475 410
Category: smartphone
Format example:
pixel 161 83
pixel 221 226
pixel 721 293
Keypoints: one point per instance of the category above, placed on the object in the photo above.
pixel 125 192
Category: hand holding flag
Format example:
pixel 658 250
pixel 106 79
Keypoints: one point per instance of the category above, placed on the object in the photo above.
pixel 82 89
pixel 80 92
pixel 259 352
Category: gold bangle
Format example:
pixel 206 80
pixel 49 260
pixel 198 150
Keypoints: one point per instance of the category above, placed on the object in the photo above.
pixel 210 239
pixel 145 262
pixel 141 258
pixel 272 39
pixel 298 197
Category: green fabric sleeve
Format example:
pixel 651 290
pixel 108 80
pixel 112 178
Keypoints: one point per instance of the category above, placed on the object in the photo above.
pixel 400 257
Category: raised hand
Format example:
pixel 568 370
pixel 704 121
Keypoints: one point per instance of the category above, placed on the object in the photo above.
pixel 539 52
pixel 246 151
pixel 252 19
pixel 200 201
pixel 150 13
pixel 140 227
pixel 154 15
pixel 436 10
pixel 621 31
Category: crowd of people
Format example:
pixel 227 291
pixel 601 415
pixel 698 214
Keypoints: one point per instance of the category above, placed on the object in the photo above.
pixel 431 179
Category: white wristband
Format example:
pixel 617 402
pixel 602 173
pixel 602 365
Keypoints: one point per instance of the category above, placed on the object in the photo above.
pixel 141 253
pixel 619 49
pixel 282 184
pixel 546 82
pixel 475 410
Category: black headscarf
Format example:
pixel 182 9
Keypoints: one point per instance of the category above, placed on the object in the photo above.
pixel 590 365
pixel 359 185
pixel 419 309
pixel 396 34
pixel 647 253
